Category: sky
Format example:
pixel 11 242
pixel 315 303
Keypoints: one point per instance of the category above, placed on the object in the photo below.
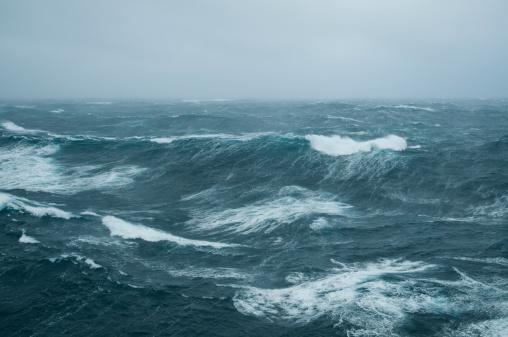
pixel 254 49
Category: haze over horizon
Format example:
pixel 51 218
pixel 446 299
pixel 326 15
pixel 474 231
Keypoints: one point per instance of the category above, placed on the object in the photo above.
pixel 253 49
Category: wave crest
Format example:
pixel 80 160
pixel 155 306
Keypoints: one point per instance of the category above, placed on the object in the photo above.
pixel 289 205
pixel 342 146
pixel 127 230
pixel 8 201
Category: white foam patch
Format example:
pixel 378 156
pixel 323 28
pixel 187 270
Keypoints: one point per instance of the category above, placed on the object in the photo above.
pixel 27 239
pixel 355 294
pixel 414 107
pixel 212 273
pixel 342 146
pixel 127 230
pixel 289 205
pixel 319 224
pixel 376 299
pixel 57 111
pixel 488 328
pixel 487 260
pixel 344 118
pixel 33 169
pixel 239 137
pixel 90 213
pixel 497 209
pixel 8 201
pixel 10 126
pixel 78 258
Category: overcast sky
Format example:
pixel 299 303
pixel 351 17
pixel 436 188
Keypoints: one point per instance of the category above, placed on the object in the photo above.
pixel 253 49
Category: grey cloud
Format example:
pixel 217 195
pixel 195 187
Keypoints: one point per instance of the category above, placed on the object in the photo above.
pixel 253 49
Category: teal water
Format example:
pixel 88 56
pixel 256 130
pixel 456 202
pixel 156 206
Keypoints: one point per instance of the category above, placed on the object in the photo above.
pixel 243 218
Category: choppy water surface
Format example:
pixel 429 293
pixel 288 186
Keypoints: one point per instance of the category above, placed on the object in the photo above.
pixel 233 218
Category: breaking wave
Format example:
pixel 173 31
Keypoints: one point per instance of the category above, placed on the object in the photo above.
pixel 8 201
pixel 33 169
pixel 127 230
pixel 370 299
pixel 289 205
pixel 342 146
pixel 27 239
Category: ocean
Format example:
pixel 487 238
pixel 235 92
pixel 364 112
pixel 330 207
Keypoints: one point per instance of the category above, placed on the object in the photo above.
pixel 252 218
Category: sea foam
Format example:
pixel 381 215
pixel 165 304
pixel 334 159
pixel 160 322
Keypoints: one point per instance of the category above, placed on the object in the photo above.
pixel 354 293
pixel 33 169
pixel 27 239
pixel 10 126
pixel 225 136
pixel 8 201
pixel 127 230
pixel 289 205
pixel 342 146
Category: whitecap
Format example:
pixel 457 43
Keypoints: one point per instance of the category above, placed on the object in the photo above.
pixel 127 230
pixel 488 260
pixel 225 136
pixel 355 294
pixel 344 118
pixel 77 258
pixel 92 264
pixel 8 201
pixel 33 169
pixel 497 209
pixel 90 213
pixel 414 107
pixel 341 146
pixel 375 299
pixel 289 205
pixel 13 127
pixel 57 111
pixel 319 223
pixel 487 328
pixel 27 239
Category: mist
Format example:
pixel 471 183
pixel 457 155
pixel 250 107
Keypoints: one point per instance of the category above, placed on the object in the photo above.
pixel 253 49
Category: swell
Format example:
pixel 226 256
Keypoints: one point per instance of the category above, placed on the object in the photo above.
pixel 333 163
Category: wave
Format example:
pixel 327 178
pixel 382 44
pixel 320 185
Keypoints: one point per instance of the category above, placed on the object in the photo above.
pixel 13 127
pixel 414 107
pixel 77 258
pixel 330 145
pixel 342 146
pixel 355 293
pixel 8 201
pixel 372 299
pixel 290 204
pixel 27 239
pixel 238 137
pixel 488 328
pixel 488 260
pixel 344 118
pixel 127 230
pixel 31 168
pixel 497 209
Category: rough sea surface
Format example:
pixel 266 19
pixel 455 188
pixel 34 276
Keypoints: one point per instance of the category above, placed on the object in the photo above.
pixel 239 218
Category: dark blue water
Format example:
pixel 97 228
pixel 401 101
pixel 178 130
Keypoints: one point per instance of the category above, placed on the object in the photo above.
pixel 237 218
